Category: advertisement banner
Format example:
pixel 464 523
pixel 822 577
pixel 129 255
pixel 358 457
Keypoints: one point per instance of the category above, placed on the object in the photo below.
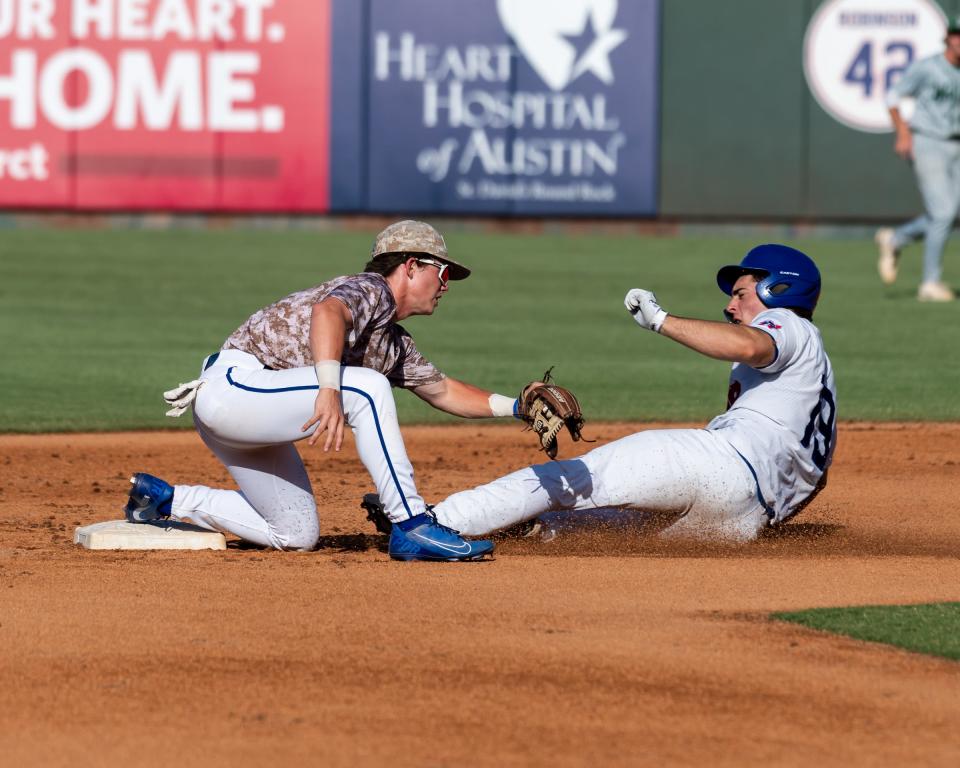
pixel 513 106
pixel 30 147
pixel 165 104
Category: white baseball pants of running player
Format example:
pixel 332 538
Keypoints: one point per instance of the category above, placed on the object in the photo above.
pixel 691 472
pixel 250 417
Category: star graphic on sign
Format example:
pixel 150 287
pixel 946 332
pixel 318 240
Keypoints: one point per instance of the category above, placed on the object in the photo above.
pixel 596 47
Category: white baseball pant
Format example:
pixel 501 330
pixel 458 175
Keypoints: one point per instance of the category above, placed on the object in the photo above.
pixel 250 417
pixel 691 472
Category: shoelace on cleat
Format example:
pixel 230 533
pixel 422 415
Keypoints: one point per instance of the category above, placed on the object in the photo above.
pixel 441 526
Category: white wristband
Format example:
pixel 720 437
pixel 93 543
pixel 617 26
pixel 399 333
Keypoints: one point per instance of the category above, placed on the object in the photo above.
pixel 501 405
pixel 658 319
pixel 328 374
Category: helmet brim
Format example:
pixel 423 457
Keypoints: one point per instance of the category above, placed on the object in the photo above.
pixel 727 276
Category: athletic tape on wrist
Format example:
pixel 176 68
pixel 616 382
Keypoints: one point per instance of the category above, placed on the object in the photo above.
pixel 328 374
pixel 501 405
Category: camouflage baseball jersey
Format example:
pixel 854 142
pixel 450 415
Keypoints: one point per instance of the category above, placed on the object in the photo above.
pixel 279 335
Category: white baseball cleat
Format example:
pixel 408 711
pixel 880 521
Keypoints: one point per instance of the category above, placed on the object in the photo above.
pixel 934 291
pixel 887 263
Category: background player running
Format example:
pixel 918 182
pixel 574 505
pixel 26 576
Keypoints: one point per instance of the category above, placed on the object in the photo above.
pixel 754 465
pixel 932 142
pixel 302 368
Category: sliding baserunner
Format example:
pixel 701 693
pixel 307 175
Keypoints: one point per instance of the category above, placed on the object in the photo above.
pixel 756 464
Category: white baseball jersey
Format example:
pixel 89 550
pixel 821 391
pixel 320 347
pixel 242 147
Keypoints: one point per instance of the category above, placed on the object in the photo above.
pixel 782 418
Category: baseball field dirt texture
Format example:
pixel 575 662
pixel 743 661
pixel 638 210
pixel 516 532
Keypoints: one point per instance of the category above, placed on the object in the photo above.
pixel 603 646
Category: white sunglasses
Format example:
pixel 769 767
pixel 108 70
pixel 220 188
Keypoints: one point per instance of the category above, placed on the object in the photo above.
pixel 444 269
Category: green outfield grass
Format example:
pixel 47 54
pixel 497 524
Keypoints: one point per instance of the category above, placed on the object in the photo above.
pixel 96 323
pixel 933 629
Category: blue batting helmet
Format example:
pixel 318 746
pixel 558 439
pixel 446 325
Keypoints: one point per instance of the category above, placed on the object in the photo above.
pixel 788 277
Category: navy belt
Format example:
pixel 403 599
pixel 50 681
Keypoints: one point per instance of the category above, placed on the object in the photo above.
pixel 951 137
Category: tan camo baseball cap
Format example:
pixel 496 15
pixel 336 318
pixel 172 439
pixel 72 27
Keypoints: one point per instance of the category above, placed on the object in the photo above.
pixel 410 236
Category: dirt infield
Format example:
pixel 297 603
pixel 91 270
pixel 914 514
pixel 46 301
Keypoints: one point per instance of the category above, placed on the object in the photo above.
pixel 606 647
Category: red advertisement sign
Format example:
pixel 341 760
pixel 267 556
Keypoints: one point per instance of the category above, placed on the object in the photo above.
pixel 165 104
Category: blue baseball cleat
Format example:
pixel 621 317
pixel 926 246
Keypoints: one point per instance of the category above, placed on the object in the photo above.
pixel 423 538
pixel 150 499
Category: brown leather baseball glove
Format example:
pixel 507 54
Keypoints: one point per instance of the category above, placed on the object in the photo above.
pixel 547 409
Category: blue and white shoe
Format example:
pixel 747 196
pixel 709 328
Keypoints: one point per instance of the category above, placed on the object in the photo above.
pixel 423 538
pixel 150 499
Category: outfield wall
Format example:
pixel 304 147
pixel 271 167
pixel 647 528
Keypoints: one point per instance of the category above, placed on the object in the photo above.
pixel 681 109
pixel 743 133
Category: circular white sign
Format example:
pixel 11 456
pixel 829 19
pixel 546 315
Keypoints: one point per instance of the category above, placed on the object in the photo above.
pixel 855 50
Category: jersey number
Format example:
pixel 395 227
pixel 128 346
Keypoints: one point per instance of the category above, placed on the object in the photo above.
pixel 860 71
pixel 819 431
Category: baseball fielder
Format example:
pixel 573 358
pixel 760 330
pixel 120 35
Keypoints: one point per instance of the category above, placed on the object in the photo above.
pixel 304 367
pixel 755 465
pixel 932 142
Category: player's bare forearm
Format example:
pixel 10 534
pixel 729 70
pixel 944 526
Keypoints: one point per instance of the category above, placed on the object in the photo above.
pixel 723 341
pixel 903 141
pixel 329 322
pixel 458 398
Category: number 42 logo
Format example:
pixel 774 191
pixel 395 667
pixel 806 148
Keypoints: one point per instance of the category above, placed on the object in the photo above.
pixel 855 50
pixel 861 71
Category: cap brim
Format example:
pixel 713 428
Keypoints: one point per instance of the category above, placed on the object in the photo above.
pixel 457 271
